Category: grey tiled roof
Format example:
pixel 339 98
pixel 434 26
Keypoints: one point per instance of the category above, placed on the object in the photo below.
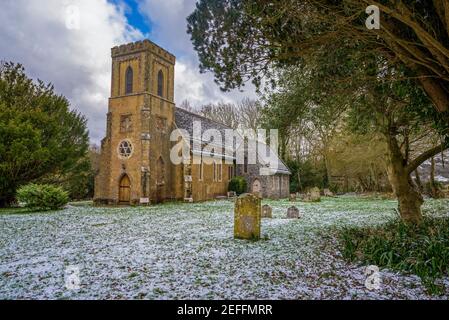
pixel 184 120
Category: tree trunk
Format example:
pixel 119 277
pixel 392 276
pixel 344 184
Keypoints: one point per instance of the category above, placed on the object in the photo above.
pixel 374 178
pixel 282 146
pixel 436 92
pixel 299 182
pixel 418 181
pixel 7 201
pixel 433 188
pixel 410 200
pixel 327 165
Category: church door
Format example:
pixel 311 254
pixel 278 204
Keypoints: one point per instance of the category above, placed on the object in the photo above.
pixel 125 190
pixel 256 189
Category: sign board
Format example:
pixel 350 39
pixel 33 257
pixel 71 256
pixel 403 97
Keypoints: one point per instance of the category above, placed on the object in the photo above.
pixel 144 200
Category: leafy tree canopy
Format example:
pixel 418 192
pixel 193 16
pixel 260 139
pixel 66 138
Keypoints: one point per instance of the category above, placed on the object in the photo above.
pixel 39 134
pixel 241 40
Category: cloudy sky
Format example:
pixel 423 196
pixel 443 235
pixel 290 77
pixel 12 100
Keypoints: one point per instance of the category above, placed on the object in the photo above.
pixel 74 54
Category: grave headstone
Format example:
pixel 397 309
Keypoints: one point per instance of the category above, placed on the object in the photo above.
pixel 293 213
pixel 313 195
pixel 267 211
pixel 247 216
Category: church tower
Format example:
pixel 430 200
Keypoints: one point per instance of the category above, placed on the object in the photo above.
pixel 135 166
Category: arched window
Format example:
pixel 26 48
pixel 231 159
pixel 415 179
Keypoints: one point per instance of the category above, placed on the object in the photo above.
pixel 129 81
pixel 160 84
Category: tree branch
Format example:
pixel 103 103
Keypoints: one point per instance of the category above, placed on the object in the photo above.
pixel 425 156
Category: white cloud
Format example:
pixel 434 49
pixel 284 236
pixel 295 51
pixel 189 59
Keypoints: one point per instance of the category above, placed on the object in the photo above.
pixel 169 27
pixel 197 88
pixel 77 62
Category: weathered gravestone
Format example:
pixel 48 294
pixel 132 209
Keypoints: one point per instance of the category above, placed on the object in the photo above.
pixel 247 216
pixel 314 195
pixel 328 193
pixel 293 213
pixel 232 194
pixel 267 211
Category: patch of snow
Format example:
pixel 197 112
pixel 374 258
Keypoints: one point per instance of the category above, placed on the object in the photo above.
pixel 441 179
pixel 187 251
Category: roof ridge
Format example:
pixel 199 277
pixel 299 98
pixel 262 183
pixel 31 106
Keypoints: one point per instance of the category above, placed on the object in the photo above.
pixel 186 119
pixel 201 116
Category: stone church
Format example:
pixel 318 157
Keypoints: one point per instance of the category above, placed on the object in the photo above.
pixel 135 165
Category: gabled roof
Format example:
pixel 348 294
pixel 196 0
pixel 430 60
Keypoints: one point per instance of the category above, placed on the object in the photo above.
pixel 274 158
pixel 185 119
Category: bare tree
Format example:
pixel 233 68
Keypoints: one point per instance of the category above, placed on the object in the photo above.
pixel 225 113
pixel 186 105
pixel 250 114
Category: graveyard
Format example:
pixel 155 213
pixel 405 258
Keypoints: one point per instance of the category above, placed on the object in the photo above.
pixel 188 251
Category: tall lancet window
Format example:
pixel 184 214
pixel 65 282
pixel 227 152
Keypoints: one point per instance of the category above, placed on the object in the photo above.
pixel 160 84
pixel 129 81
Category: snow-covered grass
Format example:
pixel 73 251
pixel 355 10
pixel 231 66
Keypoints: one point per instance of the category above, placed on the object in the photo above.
pixel 187 251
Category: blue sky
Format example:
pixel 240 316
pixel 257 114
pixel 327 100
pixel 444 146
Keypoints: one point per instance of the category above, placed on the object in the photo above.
pixel 135 18
pixel 77 61
pixel 162 21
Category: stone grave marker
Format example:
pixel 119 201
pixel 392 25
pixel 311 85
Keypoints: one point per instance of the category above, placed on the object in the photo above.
pixel 247 216
pixel 293 213
pixel 314 195
pixel 267 211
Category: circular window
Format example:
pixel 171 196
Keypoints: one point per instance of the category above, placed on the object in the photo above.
pixel 125 149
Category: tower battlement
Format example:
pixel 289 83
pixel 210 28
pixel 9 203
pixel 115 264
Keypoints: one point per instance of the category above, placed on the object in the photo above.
pixel 139 46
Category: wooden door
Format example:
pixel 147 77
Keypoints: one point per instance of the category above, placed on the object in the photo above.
pixel 125 190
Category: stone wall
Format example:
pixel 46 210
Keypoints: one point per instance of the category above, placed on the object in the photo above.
pixel 273 187
pixel 150 120
pixel 150 171
pixel 207 188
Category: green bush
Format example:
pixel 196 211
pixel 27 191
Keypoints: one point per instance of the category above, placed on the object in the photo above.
pixel 311 173
pixel 294 187
pixel 422 250
pixel 238 184
pixel 42 197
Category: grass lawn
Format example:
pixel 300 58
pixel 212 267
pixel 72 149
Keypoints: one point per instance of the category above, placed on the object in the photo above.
pixel 187 251
pixel 14 211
